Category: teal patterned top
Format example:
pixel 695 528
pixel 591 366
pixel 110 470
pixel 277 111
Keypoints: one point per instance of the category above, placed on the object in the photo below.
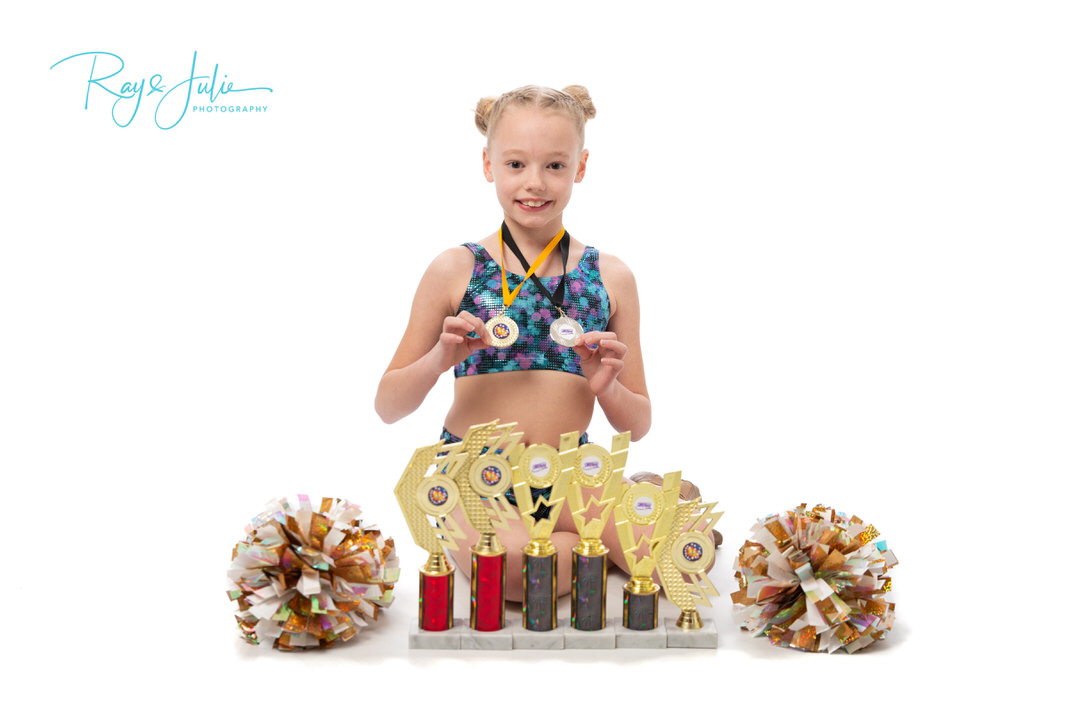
pixel 585 300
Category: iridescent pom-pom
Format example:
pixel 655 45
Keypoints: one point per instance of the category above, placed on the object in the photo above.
pixel 814 579
pixel 310 578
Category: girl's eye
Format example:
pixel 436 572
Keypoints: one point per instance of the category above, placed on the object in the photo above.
pixel 516 164
pixel 556 166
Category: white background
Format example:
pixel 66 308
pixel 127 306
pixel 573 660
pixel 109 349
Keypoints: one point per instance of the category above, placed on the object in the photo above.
pixel 854 227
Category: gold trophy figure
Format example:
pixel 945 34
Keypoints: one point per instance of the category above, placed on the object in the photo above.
pixel 422 496
pixel 643 505
pixel 541 468
pixel 595 470
pixel 683 558
pixel 481 469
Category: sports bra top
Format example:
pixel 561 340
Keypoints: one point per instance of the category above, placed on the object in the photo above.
pixel 585 300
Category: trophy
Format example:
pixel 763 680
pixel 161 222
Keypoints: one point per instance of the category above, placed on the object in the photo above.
pixel 540 467
pixel 600 472
pixel 421 497
pixel 683 555
pixel 643 505
pixel 481 469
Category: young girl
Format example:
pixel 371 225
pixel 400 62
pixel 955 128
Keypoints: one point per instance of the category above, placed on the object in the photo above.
pixel 480 310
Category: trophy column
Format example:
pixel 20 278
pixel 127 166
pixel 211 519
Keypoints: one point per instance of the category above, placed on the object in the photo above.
pixel 641 604
pixel 540 577
pixel 487 598
pixel 437 594
pixel 588 593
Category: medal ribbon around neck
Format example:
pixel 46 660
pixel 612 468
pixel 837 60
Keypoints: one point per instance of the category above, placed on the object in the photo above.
pixel 503 330
pixel 564 248
pixel 565 330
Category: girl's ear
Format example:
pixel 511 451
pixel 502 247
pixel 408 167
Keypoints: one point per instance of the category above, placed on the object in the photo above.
pixel 581 166
pixel 487 167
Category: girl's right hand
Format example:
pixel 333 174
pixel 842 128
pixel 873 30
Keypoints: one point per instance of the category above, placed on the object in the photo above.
pixel 454 342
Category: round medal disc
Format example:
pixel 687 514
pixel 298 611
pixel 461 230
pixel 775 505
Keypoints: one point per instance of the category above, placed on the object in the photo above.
pixel 593 466
pixel 490 475
pixel 643 503
pixel 541 465
pixel 566 331
pixel 692 552
pixel 437 495
pixel 504 331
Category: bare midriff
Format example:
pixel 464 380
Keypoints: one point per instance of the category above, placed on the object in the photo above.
pixel 544 403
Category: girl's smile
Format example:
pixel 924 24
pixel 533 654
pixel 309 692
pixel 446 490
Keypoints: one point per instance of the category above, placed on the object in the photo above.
pixel 533 205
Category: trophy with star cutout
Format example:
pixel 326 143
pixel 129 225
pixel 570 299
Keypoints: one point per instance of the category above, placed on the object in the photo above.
pixel 596 480
pixel 542 476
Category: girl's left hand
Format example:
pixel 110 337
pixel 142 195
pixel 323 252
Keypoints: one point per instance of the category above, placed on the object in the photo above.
pixel 602 364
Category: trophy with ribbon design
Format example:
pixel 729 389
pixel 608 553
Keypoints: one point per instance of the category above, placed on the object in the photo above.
pixel 542 477
pixel 424 497
pixel 684 556
pixel 595 482
pixel 480 466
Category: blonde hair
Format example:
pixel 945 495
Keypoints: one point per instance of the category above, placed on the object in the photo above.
pixel 572 101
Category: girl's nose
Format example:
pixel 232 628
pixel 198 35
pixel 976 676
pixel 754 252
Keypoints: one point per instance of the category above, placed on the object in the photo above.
pixel 535 181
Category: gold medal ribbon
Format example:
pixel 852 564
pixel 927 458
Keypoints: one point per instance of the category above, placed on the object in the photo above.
pixel 508 297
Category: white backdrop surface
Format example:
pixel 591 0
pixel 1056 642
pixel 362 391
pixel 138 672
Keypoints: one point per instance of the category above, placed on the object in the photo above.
pixel 854 228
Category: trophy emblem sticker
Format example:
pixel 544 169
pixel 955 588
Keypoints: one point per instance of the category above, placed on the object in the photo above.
pixel 593 466
pixel 643 503
pixel 693 552
pixel 541 465
pixel 437 496
pixel 490 475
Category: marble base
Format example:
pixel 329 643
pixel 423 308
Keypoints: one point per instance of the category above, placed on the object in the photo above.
pixel 668 635
pixel 547 640
pixel 592 639
pixel 428 640
pixel 655 639
pixel 494 640
pixel 706 637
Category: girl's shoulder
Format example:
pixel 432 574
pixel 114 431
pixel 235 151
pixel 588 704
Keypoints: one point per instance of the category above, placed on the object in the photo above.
pixel 618 280
pixel 452 263
pixel 612 269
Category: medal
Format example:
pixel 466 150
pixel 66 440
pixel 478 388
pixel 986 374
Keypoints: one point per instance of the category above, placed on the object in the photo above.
pixel 503 330
pixel 566 330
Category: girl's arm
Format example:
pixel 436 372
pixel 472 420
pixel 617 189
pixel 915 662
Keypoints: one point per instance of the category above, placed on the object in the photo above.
pixel 614 369
pixel 435 339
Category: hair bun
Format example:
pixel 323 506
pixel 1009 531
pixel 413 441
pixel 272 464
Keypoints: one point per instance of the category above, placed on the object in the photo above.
pixel 579 93
pixel 483 114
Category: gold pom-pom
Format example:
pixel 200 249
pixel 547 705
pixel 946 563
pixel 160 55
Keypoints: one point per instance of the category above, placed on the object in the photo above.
pixel 310 578
pixel 815 579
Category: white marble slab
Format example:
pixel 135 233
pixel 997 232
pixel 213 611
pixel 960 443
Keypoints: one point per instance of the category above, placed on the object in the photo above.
pixel 429 640
pixel 533 640
pixel 592 639
pixel 706 637
pixel 655 639
pixel 493 640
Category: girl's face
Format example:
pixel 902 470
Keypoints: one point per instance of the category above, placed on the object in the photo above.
pixel 534 158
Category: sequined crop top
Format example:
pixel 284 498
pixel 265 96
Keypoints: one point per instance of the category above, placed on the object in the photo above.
pixel 586 301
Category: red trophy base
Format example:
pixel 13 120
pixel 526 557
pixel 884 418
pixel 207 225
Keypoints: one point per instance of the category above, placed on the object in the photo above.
pixel 437 600
pixel 488 601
